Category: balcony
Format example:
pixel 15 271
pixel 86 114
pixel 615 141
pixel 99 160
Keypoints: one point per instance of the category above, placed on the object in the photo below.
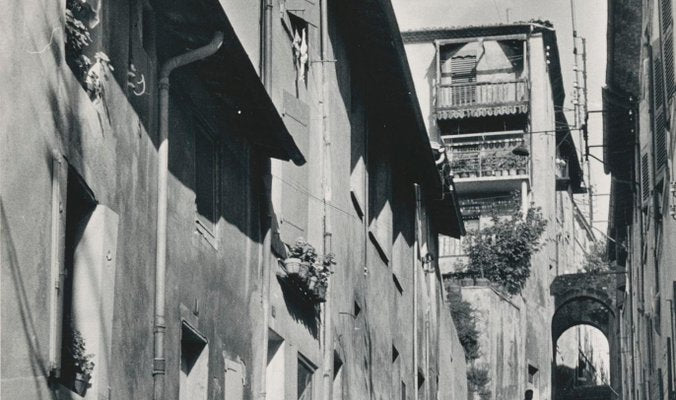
pixel 484 162
pixel 473 208
pixel 480 99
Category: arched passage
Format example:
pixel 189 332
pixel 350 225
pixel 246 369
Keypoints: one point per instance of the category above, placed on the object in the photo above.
pixel 581 361
pixel 586 299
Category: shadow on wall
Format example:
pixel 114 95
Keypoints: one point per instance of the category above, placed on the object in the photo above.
pixel 39 366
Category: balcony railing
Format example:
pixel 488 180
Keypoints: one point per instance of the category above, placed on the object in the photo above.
pixel 482 98
pixel 476 207
pixel 487 155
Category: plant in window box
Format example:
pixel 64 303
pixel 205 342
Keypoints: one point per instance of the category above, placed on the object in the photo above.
pixel 301 257
pixel 78 365
pixel 321 272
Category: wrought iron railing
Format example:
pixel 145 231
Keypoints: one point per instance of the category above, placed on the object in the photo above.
pixel 460 95
pixel 487 154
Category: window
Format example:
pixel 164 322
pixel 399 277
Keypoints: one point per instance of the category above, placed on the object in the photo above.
pixel 297 28
pixel 305 372
pixel 194 374
pixel 421 386
pixel 274 371
pixel 206 181
pixel 531 374
pixel 337 377
pixel 233 386
pixel 76 351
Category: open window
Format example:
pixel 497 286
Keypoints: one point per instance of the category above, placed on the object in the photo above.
pixel 194 374
pixel 207 187
pixel 275 369
pixel 298 30
pixel 305 373
pixel 77 355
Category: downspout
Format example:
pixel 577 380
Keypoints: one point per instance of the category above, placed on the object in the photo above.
pixel 267 196
pixel 327 324
pixel 416 252
pixel 159 364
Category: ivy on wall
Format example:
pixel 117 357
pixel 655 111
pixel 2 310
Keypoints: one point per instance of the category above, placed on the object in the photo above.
pixel 465 321
pixel 501 252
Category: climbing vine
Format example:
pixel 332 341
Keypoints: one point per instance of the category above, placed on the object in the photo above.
pixel 597 260
pixel 465 321
pixel 501 251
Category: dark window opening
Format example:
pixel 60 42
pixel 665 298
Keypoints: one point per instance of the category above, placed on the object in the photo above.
pixel 206 180
pixel 194 372
pixel 305 372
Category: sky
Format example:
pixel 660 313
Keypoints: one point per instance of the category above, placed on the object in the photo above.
pixel 590 23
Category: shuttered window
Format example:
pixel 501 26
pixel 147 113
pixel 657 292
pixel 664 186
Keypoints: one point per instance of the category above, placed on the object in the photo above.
pixel 645 177
pixel 659 118
pixel 667 30
pixel 463 69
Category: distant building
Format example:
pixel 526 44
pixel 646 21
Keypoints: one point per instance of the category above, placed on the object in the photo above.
pixel 133 270
pixel 493 95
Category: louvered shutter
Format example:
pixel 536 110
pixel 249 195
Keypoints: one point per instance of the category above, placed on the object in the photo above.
pixel 645 177
pixel 659 117
pixel 463 69
pixel 667 46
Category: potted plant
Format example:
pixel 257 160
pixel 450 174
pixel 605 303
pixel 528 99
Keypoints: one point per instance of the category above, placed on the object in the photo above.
pixel 322 271
pixel 80 363
pixel 301 257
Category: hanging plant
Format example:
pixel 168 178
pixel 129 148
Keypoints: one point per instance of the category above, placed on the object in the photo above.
pixel 305 267
pixel 80 16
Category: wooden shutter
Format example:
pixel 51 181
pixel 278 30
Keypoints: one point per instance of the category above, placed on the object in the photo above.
pixel 58 238
pixel 463 69
pixel 659 110
pixel 667 32
pixel 645 177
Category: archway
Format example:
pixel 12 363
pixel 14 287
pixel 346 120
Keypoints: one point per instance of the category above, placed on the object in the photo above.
pixel 581 362
pixel 586 299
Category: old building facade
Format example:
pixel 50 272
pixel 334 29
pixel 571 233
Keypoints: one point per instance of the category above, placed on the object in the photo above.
pixel 160 160
pixel 638 154
pixel 493 96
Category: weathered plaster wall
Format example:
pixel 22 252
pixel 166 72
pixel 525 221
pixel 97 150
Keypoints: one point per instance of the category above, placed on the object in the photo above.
pixel 116 157
pixel 501 322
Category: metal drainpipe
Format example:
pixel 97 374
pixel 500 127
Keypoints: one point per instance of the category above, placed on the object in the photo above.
pixel 266 73
pixel 159 367
pixel 416 243
pixel 327 324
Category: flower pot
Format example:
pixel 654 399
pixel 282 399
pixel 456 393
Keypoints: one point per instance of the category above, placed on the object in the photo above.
pixel 81 383
pixel 482 282
pixel 521 171
pixel 464 174
pixel 320 293
pixel 512 171
pixel 292 265
pixel 303 270
pixel 467 282
pixel 311 282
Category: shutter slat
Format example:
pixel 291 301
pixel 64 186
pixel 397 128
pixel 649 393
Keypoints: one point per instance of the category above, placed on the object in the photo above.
pixel 669 62
pixel 645 177
pixel 659 120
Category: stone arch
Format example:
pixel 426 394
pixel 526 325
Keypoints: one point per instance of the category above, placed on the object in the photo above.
pixel 587 299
